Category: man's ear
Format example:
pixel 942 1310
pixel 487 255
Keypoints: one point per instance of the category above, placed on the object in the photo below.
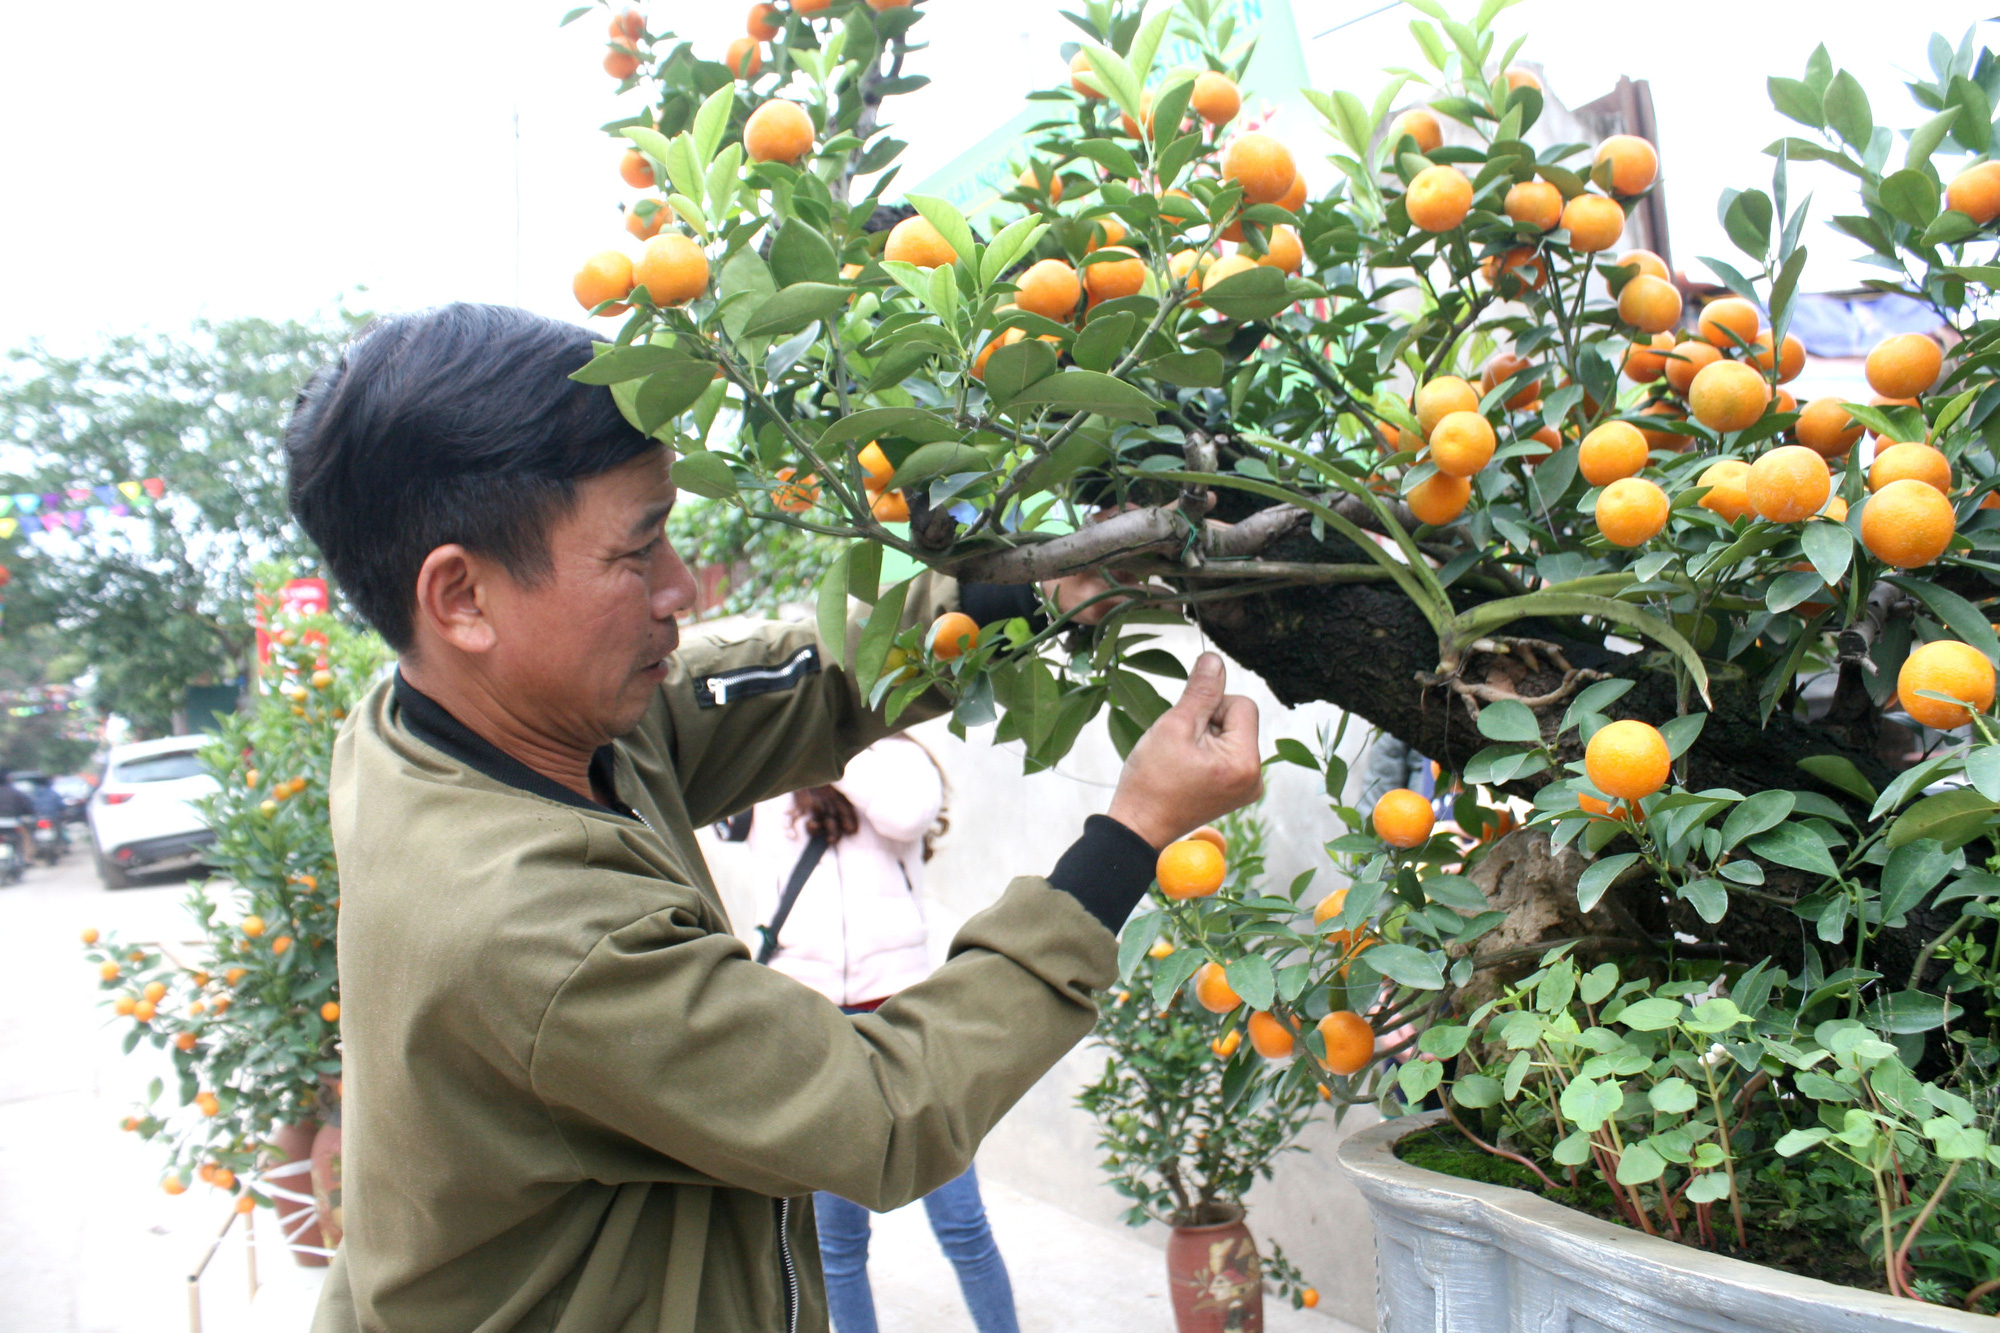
pixel 453 597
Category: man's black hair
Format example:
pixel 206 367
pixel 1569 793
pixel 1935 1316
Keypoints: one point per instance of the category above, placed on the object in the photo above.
pixel 459 424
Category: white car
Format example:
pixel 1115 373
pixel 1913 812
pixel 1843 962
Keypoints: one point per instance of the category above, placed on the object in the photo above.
pixel 143 814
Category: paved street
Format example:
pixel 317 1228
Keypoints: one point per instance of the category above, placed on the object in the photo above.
pixel 90 1244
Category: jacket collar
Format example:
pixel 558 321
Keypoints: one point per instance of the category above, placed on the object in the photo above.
pixel 431 724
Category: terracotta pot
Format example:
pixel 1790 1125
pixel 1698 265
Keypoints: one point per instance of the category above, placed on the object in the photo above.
pixel 295 1144
pixel 326 1183
pixel 1215 1277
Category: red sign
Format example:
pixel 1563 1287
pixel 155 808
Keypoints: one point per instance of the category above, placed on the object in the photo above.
pixel 299 597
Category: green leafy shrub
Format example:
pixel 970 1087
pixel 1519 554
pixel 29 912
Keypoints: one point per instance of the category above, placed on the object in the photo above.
pixel 250 1017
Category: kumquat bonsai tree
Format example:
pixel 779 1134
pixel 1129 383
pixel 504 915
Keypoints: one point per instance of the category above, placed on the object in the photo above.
pixel 1438 445
pixel 1186 1128
pixel 250 1013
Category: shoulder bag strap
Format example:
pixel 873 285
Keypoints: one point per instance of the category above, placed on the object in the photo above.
pixel 808 859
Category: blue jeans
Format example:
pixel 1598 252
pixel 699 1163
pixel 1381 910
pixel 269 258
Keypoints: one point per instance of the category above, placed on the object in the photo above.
pixel 958 1220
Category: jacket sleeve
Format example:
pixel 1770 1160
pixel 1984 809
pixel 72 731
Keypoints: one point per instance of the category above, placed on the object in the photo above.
pixel 896 788
pixel 669 1035
pixel 766 710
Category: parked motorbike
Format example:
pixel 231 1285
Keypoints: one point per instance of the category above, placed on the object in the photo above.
pixel 12 868
pixel 50 841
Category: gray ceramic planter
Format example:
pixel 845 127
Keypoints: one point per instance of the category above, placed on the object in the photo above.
pixel 1458 1256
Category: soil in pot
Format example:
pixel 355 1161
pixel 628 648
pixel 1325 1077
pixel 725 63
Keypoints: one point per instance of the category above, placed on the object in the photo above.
pixel 1216 1277
pixel 1824 1253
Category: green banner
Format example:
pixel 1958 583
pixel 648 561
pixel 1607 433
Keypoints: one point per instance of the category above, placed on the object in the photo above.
pixel 975 180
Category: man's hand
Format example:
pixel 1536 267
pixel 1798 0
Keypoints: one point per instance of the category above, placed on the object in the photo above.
pixel 1072 590
pixel 1198 762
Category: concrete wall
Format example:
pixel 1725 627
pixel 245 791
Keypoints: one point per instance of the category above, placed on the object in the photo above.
pixel 1004 824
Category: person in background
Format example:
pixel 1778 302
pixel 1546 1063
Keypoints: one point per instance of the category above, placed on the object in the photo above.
pixel 855 932
pixel 1392 763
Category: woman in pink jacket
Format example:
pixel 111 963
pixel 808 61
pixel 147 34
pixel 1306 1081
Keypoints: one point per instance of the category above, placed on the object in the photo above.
pixel 856 934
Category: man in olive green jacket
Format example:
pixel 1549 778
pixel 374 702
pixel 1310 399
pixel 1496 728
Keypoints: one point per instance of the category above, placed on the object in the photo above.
pixel 572 1101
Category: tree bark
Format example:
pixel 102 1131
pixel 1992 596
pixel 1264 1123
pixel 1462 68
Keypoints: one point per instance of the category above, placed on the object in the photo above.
pixel 1365 648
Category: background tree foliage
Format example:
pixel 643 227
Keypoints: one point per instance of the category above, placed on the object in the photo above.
pixel 164 600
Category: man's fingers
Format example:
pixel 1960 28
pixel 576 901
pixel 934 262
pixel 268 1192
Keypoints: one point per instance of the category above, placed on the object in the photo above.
pixel 1203 693
pixel 1236 718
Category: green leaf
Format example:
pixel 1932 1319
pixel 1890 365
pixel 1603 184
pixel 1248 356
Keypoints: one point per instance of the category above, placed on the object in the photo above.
pixel 1674 1096
pixel 1640 1163
pixel 1953 817
pixel 1456 892
pixel 1913 1011
pixel 1652 1014
pixel 793 308
pixel 1137 937
pixel 1110 72
pixel 1250 977
pixel 1795 586
pixel 1589 1103
pixel 942 459
pixel 1681 733
pixel 1925 139
pixel 1102 341
pixel 1410 967
pixel 705 474
pixel 1172 974
pixel 1974 127
pixel 1145 46
pixel 1709 897
pixel 1798 1140
pixel 800 254
pixel 1011 369
pixel 907 423
pixel 1510 720
pixel 1910 196
pixel 1830 547
pixel 615 365
pixel 1765 810
pixel 879 634
pixel 831 609
pixel 670 391
pixel 1088 391
pixel 745 279
pixel 1797 101
pixel 1476 1091
pixel 1838 771
pixel 1912 871
pixel 1110 156
pixel 948 220
pixel 1255 294
pixel 1597 877
pixel 1418 1078
pixel 1015 239
pixel 1188 370
pixel 1964 619
pixel 711 121
pixel 1846 107
pixel 1797 847
pixel 1747 218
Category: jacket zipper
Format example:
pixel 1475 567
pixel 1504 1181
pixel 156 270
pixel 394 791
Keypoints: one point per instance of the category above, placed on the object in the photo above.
pixel 790 1273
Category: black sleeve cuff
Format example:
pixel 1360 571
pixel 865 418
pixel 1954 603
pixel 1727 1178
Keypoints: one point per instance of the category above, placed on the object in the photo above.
pixel 990 603
pixel 1108 870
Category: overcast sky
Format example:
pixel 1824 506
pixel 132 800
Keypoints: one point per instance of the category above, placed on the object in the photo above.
pixel 225 157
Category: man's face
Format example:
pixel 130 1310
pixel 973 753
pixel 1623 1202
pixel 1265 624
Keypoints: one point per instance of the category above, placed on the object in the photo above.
pixel 584 650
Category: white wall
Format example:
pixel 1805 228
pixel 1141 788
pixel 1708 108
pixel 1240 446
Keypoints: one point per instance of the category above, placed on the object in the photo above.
pixel 1004 824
